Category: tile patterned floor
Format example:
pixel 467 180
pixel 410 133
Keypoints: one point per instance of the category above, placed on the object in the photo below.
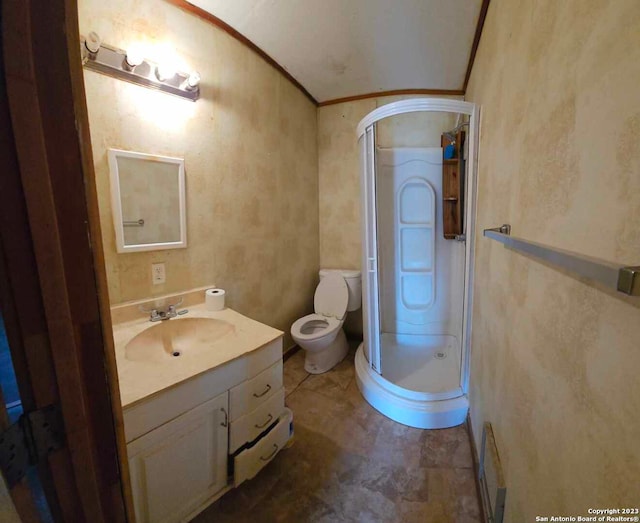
pixel 351 464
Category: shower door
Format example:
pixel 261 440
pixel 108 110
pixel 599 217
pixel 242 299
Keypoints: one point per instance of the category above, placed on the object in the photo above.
pixel 370 297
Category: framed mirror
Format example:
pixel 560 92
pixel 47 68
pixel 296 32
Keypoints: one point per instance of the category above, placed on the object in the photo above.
pixel 148 201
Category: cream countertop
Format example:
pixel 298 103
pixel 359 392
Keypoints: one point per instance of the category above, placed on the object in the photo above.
pixel 141 379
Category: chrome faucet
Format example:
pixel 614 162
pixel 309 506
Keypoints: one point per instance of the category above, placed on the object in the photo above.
pixel 166 313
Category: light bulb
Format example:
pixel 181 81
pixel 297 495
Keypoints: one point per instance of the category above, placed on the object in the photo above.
pixel 165 72
pixel 92 42
pixel 135 55
pixel 193 81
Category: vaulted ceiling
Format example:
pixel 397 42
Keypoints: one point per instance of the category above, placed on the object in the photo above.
pixel 343 48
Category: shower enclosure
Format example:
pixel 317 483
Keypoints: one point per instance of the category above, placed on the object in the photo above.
pixel 413 365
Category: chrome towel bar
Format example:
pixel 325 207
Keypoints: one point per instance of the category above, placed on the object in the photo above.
pixel 133 223
pixel 625 279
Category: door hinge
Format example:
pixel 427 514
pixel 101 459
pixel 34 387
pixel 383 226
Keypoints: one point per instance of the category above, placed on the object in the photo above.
pixel 29 440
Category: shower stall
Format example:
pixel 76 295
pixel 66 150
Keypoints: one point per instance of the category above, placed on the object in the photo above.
pixel 413 365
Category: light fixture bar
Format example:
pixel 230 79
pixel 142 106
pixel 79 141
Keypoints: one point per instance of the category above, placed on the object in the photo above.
pixel 111 61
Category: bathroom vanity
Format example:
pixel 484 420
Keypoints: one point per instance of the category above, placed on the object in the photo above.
pixel 203 403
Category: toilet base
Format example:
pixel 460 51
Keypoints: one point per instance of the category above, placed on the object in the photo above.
pixel 317 362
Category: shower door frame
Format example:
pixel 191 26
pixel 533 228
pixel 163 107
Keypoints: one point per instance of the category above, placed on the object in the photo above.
pixel 371 309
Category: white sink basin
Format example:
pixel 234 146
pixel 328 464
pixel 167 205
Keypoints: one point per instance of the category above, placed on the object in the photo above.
pixel 177 338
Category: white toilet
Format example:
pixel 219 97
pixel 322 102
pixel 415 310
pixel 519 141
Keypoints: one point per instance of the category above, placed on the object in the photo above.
pixel 320 334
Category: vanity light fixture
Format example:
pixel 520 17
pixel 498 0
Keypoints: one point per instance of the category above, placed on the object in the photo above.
pixel 131 66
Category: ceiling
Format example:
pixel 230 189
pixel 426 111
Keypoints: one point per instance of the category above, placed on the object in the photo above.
pixel 341 48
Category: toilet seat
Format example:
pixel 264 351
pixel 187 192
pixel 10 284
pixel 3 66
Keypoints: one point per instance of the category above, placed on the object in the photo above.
pixel 332 324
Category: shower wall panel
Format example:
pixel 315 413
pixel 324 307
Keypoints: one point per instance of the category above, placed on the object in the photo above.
pixel 421 273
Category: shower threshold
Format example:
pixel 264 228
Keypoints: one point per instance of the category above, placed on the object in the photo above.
pixel 424 410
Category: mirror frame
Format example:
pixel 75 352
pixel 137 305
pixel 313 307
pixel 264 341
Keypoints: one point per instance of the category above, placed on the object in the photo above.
pixel 116 206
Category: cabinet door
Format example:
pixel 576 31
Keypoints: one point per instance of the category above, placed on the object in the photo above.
pixel 181 464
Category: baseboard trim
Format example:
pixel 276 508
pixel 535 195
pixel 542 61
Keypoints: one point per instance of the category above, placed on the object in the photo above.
pixel 290 352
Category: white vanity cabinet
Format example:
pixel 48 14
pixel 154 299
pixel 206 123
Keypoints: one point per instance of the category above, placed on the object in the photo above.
pixel 178 466
pixel 188 444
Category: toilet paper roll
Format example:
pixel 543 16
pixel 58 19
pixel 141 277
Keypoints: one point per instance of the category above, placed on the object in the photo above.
pixel 214 299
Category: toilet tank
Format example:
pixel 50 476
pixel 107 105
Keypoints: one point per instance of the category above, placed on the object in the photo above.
pixel 354 284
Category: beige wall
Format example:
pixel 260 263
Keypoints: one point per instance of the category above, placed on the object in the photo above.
pixel 250 153
pixel 555 360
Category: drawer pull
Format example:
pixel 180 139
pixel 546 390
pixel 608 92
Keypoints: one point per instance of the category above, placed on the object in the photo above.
pixel 275 449
pixel 225 423
pixel 265 423
pixel 262 393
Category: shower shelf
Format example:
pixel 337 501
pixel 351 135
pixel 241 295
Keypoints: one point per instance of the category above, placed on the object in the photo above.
pixel 625 279
pixel 453 188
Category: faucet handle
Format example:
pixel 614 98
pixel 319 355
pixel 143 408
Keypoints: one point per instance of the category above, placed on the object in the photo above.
pixel 170 306
pixel 154 314
pixel 141 308
pixel 172 310
pixel 174 305
pixel 165 312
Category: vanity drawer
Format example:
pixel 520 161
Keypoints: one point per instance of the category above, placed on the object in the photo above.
pixel 249 462
pixel 251 425
pixel 249 395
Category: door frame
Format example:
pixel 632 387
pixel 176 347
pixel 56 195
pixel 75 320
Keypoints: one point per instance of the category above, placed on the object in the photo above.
pixel 55 273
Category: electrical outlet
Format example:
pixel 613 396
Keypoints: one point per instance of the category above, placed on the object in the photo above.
pixel 158 275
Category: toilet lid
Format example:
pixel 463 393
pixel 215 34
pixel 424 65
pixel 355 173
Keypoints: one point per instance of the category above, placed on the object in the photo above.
pixel 332 296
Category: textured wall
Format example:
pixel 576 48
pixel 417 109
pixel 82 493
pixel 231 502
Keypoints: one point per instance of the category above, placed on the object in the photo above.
pixel 339 183
pixel 250 156
pixel 555 360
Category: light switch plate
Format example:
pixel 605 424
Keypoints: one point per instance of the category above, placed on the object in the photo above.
pixel 158 275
